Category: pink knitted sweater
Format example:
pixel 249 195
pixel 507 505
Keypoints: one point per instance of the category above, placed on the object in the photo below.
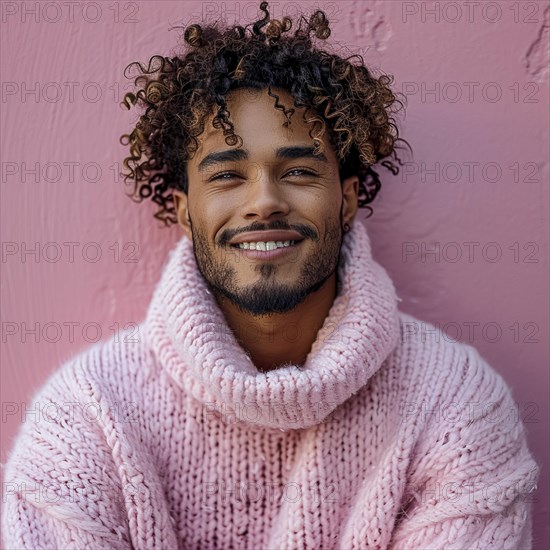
pixel 388 437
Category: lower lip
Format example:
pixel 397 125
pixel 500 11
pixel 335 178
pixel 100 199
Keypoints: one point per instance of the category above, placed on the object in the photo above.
pixel 268 254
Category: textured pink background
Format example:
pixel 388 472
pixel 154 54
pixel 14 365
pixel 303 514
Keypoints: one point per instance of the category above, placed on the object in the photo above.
pixel 501 47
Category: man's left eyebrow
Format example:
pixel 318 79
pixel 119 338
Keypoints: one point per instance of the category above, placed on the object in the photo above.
pixel 299 152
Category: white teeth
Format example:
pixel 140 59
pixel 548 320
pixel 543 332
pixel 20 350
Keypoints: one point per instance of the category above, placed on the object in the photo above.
pixel 269 245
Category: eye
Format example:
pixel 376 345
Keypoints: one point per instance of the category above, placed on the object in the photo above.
pixel 303 171
pixel 224 176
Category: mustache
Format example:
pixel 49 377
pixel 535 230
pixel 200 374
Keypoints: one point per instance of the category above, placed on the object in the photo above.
pixel 304 230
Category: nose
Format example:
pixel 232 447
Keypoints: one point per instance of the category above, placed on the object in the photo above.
pixel 265 198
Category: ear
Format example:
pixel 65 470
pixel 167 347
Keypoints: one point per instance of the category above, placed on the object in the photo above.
pixel 182 212
pixel 350 197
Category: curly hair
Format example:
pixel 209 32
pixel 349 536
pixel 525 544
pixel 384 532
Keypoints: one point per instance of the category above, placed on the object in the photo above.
pixel 178 93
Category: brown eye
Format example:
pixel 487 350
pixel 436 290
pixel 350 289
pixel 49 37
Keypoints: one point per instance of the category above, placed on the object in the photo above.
pixel 224 176
pixel 303 171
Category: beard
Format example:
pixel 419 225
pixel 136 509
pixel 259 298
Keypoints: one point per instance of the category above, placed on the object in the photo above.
pixel 268 296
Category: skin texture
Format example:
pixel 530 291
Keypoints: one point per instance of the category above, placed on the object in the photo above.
pixel 274 307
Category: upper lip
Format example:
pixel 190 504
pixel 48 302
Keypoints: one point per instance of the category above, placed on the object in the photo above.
pixel 266 236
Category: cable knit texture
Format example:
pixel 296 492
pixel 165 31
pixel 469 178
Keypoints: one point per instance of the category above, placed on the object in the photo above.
pixel 389 436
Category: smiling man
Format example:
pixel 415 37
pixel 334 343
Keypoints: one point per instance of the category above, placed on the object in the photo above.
pixel 276 396
pixel 266 222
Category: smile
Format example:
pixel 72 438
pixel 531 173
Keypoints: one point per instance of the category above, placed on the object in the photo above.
pixel 269 250
pixel 267 245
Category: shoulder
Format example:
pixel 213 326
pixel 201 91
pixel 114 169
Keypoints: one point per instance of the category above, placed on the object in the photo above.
pixel 449 388
pixel 467 459
pixel 90 395
pixel 106 367
pixel 71 442
pixel 428 357
pixel 438 381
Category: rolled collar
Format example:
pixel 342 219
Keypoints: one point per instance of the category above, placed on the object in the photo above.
pixel 190 337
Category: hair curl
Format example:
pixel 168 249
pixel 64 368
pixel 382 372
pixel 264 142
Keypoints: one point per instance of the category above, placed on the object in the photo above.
pixel 177 93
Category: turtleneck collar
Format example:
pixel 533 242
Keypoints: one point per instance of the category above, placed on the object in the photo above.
pixel 189 335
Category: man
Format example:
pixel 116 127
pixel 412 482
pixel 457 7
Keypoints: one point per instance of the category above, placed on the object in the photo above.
pixel 276 397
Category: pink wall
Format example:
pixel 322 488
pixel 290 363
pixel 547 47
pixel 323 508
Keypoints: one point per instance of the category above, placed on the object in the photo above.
pixel 477 79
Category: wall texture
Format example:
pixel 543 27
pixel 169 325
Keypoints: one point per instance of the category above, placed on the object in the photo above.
pixel 463 230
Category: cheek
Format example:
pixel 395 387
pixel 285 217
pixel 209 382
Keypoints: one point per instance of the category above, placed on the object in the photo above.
pixel 323 207
pixel 213 214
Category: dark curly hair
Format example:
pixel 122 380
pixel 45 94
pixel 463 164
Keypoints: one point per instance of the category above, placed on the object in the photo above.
pixel 178 93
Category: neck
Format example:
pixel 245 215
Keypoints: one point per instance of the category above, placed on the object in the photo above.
pixel 282 338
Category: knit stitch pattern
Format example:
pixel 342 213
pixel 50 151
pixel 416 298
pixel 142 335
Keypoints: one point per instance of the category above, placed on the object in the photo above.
pixel 387 437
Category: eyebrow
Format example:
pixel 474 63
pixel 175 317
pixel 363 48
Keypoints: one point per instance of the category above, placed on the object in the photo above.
pixel 222 156
pixel 233 155
pixel 299 152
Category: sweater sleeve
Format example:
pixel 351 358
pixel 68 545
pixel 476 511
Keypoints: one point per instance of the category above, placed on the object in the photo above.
pixel 61 488
pixel 471 484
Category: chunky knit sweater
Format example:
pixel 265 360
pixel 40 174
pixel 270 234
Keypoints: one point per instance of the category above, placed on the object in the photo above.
pixel 389 436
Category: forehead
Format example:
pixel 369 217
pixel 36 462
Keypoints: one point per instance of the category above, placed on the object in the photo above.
pixel 259 120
